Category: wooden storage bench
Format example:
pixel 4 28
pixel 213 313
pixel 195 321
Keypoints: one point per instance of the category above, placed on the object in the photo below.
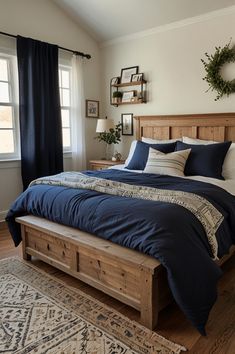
pixel 125 274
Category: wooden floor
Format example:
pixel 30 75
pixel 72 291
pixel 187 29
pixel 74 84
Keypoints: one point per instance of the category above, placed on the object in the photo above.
pixel 172 323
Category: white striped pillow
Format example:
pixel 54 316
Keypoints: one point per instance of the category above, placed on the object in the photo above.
pixel 167 164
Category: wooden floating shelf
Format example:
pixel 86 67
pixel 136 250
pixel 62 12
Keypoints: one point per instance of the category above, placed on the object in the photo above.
pixel 134 102
pixel 140 92
pixel 134 83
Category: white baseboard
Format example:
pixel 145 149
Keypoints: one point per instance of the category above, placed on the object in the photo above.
pixel 3 215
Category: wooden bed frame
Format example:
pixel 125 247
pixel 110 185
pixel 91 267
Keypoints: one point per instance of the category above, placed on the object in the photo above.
pixel 129 276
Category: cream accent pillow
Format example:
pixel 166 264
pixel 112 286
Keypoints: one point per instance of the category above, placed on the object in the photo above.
pixel 167 164
pixel 156 141
pixel 228 171
pixel 198 141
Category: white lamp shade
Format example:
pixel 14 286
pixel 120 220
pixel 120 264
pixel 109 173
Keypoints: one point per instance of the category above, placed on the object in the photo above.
pixel 103 125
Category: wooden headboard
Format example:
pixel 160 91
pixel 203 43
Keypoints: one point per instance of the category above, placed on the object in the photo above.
pixel 213 126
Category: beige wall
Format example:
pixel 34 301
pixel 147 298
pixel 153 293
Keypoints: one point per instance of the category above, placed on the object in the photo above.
pixel 171 63
pixel 43 20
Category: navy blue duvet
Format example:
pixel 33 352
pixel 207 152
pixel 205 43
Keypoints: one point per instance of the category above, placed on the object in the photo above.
pixel 165 231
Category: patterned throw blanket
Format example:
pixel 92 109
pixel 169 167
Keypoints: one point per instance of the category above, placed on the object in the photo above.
pixel 203 210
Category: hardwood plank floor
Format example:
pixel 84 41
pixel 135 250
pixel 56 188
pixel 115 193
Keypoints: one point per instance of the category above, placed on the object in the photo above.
pixel 173 325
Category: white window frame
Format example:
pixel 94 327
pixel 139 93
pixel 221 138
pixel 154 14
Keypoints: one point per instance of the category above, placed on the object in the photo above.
pixel 14 103
pixel 69 69
pixel 13 94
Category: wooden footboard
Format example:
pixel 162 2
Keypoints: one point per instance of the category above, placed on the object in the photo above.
pixel 135 279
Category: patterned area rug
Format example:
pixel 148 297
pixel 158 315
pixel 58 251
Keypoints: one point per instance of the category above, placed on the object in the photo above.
pixel 40 314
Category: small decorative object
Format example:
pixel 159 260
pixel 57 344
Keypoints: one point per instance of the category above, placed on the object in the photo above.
pixel 134 99
pixel 92 109
pixel 213 67
pixel 127 95
pixel 117 156
pixel 137 77
pixel 109 133
pixel 126 73
pixel 115 80
pixel 117 97
pixel 127 124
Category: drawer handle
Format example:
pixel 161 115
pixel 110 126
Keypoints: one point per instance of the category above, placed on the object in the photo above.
pixel 48 247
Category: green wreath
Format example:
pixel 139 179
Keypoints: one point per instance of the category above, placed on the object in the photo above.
pixel 213 66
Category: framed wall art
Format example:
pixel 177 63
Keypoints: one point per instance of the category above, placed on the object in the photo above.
pixel 128 95
pixel 126 74
pixel 127 123
pixel 92 109
pixel 137 77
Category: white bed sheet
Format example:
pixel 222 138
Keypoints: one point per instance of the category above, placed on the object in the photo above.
pixel 228 185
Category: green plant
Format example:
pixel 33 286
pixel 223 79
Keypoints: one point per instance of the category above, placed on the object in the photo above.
pixel 213 68
pixel 111 137
pixel 117 94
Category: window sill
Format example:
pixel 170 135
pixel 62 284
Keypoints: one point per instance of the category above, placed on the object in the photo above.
pixel 15 163
pixel 10 163
pixel 67 154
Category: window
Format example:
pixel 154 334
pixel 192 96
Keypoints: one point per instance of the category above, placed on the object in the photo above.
pixel 9 131
pixel 9 111
pixel 65 101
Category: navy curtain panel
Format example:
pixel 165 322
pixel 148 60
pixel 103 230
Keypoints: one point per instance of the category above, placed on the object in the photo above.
pixel 39 109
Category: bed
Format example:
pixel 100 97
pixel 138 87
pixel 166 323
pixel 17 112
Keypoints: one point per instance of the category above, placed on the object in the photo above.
pixel 134 278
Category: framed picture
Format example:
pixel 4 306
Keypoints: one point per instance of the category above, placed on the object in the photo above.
pixel 137 77
pixel 92 109
pixel 127 123
pixel 128 95
pixel 126 73
pixel 115 80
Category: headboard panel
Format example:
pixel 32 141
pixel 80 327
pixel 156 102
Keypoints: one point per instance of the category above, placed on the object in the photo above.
pixel 212 126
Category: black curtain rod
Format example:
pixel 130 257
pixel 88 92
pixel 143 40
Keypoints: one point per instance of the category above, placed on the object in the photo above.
pixel 88 56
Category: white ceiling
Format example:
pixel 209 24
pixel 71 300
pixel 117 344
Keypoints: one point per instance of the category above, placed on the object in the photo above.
pixel 109 19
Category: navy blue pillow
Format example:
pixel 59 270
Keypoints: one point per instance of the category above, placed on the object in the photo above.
pixel 141 153
pixel 205 160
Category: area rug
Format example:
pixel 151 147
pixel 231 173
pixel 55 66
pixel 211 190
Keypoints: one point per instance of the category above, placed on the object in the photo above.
pixel 40 314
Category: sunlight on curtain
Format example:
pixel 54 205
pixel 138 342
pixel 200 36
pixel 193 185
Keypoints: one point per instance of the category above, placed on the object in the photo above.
pixel 78 115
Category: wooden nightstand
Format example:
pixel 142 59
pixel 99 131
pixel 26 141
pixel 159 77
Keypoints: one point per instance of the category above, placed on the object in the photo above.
pixel 103 164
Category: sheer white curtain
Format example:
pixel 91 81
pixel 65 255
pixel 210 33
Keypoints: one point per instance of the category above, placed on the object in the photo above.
pixel 78 115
